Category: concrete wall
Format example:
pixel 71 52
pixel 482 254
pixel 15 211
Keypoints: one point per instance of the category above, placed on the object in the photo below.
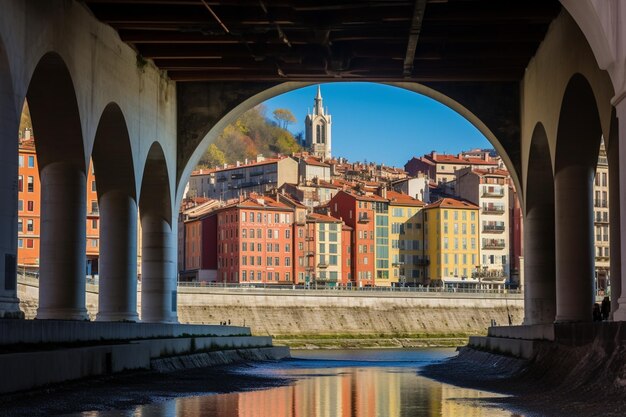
pixel 341 312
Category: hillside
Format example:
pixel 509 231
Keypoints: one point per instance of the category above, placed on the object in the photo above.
pixel 251 134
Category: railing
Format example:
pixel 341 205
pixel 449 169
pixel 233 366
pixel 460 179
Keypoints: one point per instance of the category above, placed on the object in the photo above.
pixel 351 288
pixel 494 244
pixel 364 219
pixel 493 229
pixel 493 209
pixel 494 193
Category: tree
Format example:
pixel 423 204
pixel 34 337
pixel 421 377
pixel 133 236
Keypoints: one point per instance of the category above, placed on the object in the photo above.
pixel 213 156
pixel 284 117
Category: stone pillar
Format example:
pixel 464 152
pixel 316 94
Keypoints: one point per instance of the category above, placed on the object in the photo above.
pixel 9 303
pixel 620 312
pixel 63 243
pixel 158 271
pixel 614 219
pixel 539 266
pixel 117 299
pixel 573 186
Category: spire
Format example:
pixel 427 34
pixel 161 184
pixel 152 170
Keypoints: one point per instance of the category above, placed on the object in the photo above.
pixel 319 108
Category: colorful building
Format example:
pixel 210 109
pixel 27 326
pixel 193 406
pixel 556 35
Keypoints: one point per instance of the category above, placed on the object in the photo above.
pixel 328 253
pixel 451 241
pixel 406 249
pixel 358 212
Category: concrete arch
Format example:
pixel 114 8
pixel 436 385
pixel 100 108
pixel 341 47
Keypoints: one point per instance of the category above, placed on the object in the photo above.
pixel 577 145
pixel 55 114
pixel 115 174
pixel 274 91
pixel 158 231
pixel 62 169
pixel 539 259
pixel 9 122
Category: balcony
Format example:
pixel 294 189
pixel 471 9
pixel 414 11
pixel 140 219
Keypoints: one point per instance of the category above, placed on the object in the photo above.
pixel 309 253
pixel 494 244
pixel 322 265
pixel 364 219
pixel 493 209
pixel 423 262
pixel 493 193
pixel 600 203
pixel 493 228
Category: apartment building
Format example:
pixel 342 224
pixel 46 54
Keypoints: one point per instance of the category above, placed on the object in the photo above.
pixel 601 220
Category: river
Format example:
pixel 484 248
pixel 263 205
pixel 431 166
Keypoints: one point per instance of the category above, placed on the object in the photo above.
pixel 335 383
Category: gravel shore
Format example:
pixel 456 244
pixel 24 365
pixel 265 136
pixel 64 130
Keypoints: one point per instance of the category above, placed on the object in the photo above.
pixel 560 382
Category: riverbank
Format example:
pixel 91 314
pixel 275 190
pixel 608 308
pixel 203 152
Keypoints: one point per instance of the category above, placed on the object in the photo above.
pixel 371 341
pixel 586 381
pixel 124 391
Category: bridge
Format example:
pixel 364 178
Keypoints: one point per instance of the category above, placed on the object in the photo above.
pixel 143 86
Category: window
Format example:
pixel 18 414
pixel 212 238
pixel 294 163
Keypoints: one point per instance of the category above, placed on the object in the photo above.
pixel 21 161
pixel 93 186
pixel 287 276
pixel 287 261
pixel 20 225
pixel 244 232
pixel 31 161
pixel 20 183
pixel 300 246
pixel 30 184
pixel 244 276
pixel 270 275
pixel 270 233
pixel 94 243
pixel 94 206
pixel 252 235
pixel 288 233
pixel 20 205
pixel 276 218
pixel 94 223
pixel 287 248
pixel 277 261
pixel 259 248
pixel 269 261
pixel 30 225
pixel 258 217
pixel 20 243
pixel 332 259
pixel 29 243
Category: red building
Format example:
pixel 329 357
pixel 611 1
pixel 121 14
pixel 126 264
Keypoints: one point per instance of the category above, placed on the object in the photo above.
pixel 254 242
pixel 357 212
pixel 346 254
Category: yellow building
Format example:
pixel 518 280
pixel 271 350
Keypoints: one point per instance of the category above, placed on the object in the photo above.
pixel 451 241
pixel 406 250
pixel 328 249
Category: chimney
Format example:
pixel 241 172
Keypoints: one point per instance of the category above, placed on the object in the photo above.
pixel 27 134
pixel 260 158
pixel 245 161
pixel 237 163
pixel 225 165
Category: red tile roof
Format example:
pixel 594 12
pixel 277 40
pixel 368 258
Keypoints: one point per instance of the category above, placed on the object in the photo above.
pixel 452 203
pixel 322 218
pixel 404 199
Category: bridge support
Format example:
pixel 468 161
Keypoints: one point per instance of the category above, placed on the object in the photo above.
pixel 620 313
pixel 540 290
pixel 117 299
pixel 63 243
pixel 573 185
pixel 158 270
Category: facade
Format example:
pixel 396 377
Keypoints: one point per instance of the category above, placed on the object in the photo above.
pixel 233 181
pixel 358 212
pixel 406 240
pixel 312 169
pixel 417 187
pixel 254 242
pixel 451 242
pixel 601 221
pixel 318 129
pixel 328 249
pixel 29 211
pixel 197 235
pixel 489 189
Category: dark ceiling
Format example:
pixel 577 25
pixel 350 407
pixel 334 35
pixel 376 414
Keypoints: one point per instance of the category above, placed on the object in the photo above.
pixel 289 40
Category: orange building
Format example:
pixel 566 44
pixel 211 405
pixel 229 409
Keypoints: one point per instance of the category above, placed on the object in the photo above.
pixel 29 210
pixel 254 242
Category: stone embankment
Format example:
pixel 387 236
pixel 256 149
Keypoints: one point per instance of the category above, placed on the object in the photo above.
pixel 310 318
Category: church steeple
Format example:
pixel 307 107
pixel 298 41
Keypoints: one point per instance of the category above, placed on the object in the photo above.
pixel 318 129
pixel 319 108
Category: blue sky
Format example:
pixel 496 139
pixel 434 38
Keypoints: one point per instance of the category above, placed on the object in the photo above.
pixel 380 123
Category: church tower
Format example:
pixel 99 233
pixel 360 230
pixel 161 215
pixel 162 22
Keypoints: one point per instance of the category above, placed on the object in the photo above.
pixel 318 139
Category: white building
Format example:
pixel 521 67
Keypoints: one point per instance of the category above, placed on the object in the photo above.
pixel 318 130
pixel 489 189
pixel 601 220
pixel 416 187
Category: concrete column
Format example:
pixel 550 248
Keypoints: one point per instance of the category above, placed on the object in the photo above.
pixel 63 243
pixel 620 107
pixel 539 266
pixel 614 221
pixel 158 271
pixel 573 186
pixel 117 299
pixel 9 303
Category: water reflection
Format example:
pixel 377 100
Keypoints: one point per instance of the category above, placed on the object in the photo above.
pixel 326 388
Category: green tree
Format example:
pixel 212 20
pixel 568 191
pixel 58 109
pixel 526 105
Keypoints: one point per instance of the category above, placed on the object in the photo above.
pixel 213 156
pixel 284 117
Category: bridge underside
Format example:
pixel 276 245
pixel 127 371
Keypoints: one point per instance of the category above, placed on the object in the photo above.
pixel 148 84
